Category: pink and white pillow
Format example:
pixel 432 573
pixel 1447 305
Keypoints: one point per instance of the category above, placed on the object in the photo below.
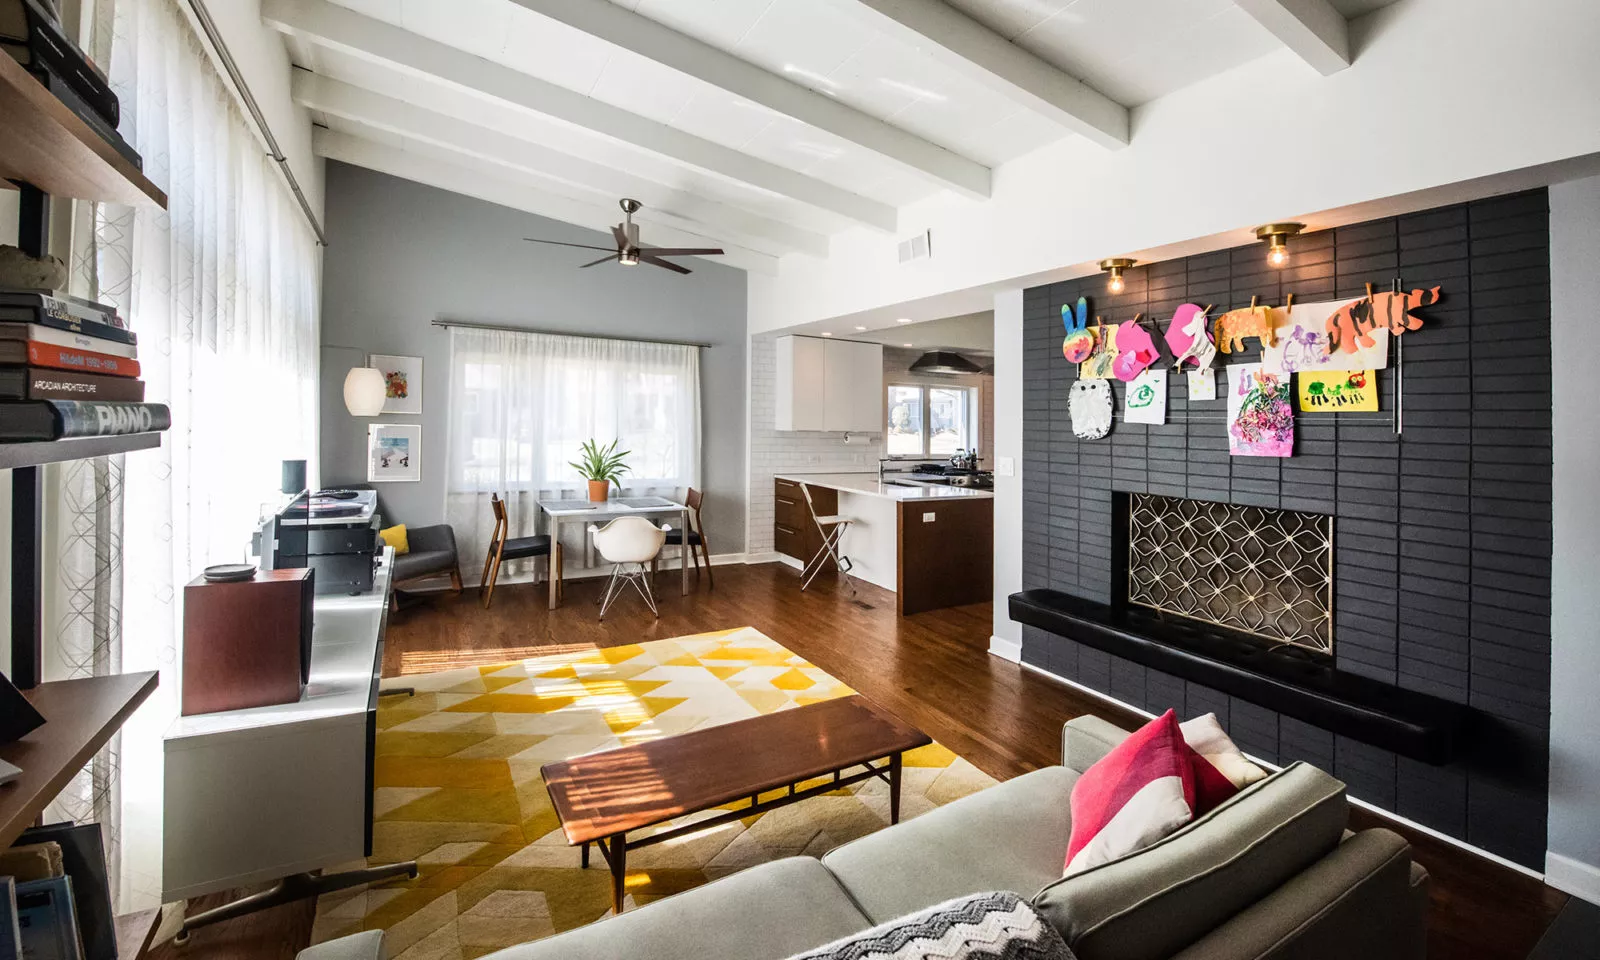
pixel 1208 739
pixel 1138 793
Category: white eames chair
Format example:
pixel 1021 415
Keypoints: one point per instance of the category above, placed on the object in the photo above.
pixel 630 544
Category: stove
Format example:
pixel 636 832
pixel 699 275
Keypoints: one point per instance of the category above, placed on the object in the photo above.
pixel 944 473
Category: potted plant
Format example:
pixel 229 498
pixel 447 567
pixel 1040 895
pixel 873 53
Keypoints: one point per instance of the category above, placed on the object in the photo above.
pixel 601 467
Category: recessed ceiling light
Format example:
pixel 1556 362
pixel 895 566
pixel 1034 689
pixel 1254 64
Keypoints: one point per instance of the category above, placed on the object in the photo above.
pixel 905 344
pixel 903 320
pixel 861 328
pixel 827 333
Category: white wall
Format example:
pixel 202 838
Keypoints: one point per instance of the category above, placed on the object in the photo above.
pixel 1573 859
pixel 1441 92
pixel 1006 639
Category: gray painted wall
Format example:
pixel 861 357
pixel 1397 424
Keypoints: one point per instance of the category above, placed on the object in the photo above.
pixel 401 255
pixel 1573 859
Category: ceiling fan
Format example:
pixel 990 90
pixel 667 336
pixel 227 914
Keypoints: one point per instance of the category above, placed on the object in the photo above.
pixel 628 252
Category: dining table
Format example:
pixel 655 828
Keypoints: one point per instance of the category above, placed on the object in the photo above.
pixel 587 512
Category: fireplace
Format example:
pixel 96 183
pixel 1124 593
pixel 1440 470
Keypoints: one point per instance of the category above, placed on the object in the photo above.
pixel 1257 570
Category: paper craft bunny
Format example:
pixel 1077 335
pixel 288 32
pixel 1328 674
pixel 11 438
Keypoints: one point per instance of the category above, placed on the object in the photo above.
pixel 1079 342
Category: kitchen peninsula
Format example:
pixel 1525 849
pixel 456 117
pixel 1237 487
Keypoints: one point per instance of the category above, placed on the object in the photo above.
pixel 931 544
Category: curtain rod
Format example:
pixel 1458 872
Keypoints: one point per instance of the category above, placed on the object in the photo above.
pixel 563 333
pixel 209 27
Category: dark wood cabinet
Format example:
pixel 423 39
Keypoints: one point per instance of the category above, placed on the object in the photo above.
pixel 793 532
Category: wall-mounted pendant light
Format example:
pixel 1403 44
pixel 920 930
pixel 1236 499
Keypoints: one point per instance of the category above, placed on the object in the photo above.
pixel 1115 266
pixel 364 391
pixel 1276 237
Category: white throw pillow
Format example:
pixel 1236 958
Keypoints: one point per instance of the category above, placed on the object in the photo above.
pixel 1207 738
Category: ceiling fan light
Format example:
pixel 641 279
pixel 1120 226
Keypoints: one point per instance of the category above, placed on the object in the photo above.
pixel 628 259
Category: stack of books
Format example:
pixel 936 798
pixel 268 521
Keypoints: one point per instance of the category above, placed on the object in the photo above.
pixel 69 367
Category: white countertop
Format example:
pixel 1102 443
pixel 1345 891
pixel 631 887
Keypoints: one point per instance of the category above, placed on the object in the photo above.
pixel 869 484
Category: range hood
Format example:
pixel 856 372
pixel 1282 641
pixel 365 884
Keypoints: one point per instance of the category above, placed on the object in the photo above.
pixel 940 361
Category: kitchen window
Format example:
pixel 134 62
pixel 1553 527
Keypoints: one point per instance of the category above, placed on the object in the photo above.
pixel 930 421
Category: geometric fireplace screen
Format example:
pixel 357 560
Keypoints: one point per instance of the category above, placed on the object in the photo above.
pixel 1265 572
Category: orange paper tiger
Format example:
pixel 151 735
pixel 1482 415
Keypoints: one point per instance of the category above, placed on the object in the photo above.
pixel 1235 325
pixel 1352 325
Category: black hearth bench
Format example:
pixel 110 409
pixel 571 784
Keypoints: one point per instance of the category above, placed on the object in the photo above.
pixel 1295 682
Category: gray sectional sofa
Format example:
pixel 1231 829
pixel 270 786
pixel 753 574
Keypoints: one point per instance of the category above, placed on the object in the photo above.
pixel 1272 873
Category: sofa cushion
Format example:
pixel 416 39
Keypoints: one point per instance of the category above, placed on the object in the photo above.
pixel 1133 796
pixel 1155 902
pixel 984 926
pixel 764 913
pixel 1012 836
pixel 419 563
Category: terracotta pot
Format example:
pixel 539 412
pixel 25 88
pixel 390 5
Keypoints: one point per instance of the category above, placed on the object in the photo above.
pixel 599 491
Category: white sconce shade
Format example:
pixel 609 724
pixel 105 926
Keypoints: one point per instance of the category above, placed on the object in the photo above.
pixel 364 391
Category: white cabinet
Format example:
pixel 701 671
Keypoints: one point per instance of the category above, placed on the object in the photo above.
pixel 833 385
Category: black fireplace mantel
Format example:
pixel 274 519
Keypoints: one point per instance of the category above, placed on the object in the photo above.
pixel 1294 682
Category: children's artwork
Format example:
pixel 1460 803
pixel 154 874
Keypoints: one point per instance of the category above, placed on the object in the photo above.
pixel 1353 325
pixel 1203 384
pixel 1098 366
pixel 1303 344
pixel 1135 351
pixel 394 451
pixel 1090 405
pixel 1235 326
pixel 1260 419
pixel 1188 338
pixel 1079 342
pixel 1145 400
pixel 1335 391
pixel 402 379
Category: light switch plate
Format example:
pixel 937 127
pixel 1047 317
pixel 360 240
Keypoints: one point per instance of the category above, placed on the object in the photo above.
pixel 927 518
pixel 1006 466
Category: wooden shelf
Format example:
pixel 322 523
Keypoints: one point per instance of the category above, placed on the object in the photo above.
pixel 14 455
pixel 44 143
pixel 80 716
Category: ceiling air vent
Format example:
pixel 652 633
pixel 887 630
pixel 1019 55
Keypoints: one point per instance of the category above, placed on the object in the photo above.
pixel 919 247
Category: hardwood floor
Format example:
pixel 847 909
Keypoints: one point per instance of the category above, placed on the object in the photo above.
pixel 932 670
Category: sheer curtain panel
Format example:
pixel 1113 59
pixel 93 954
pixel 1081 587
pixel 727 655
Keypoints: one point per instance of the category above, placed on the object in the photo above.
pixel 521 404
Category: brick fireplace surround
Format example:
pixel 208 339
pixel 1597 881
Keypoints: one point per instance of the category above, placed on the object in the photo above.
pixel 1442 533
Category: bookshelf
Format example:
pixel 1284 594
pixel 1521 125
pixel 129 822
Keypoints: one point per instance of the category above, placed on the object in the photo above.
pixel 14 455
pixel 80 716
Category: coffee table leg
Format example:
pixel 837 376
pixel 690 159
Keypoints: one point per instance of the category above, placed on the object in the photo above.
pixel 619 870
pixel 586 856
pixel 894 789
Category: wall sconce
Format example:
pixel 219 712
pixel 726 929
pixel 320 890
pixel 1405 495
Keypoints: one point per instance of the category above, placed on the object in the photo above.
pixel 1276 236
pixel 364 391
pixel 1115 266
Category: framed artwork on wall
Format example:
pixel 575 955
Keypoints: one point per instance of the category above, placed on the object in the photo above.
pixel 394 452
pixel 402 378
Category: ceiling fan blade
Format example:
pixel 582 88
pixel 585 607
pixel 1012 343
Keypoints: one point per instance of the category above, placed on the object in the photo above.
pixel 682 251
pixel 653 261
pixel 559 243
pixel 596 263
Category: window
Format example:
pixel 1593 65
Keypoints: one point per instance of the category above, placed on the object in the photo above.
pixel 930 421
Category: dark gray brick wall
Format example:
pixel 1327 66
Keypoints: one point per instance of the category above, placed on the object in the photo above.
pixel 1442 533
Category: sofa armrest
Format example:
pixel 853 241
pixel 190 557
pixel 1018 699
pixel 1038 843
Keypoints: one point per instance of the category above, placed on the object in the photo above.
pixel 440 536
pixel 1086 739
pixel 367 945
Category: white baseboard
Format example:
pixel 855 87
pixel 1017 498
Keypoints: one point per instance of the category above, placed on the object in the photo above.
pixel 770 556
pixel 1580 879
pixel 1006 649
pixel 1592 879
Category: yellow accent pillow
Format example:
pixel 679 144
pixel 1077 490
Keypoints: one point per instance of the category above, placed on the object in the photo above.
pixel 395 536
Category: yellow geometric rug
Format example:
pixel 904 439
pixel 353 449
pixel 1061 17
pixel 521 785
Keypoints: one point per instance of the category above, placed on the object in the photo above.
pixel 457 788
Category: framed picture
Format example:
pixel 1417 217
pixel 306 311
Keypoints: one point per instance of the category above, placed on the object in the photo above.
pixel 394 452
pixel 402 377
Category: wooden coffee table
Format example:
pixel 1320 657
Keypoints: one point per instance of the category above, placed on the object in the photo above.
pixel 602 796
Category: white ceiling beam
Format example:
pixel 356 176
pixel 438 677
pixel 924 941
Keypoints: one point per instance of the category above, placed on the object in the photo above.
pixel 1313 29
pixel 473 180
pixel 327 24
pixel 985 57
pixel 335 98
pixel 655 41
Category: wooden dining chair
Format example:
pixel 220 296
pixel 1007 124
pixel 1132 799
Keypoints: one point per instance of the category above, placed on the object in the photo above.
pixel 696 535
pixel 502 548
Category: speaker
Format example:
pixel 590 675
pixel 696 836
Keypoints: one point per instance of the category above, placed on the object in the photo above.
pixel 294 476
pixel 247 643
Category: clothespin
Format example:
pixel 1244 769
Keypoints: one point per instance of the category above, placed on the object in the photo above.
pixel 1289 303
pixel 1369 291
pixel 1253 300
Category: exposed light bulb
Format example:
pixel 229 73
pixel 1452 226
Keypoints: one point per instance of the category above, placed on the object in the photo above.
pixel 1116 285
pixel 1278 255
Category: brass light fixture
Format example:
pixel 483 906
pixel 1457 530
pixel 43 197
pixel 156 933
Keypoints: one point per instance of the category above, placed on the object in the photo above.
pixel 1276 236
pixel 1115 266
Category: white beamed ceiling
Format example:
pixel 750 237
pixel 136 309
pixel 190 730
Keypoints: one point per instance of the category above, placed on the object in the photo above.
pixel 1130 51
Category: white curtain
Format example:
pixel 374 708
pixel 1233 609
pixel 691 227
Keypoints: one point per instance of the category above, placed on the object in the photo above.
pixel 222 289
pixel 521 405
